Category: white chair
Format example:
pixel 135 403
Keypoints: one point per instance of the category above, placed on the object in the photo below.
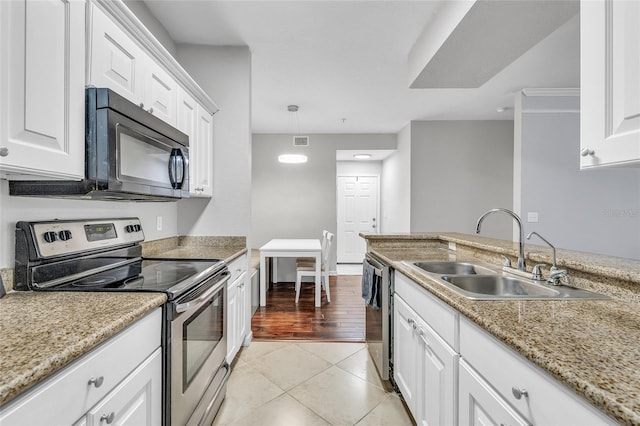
pixel 306 260
pixel 308 269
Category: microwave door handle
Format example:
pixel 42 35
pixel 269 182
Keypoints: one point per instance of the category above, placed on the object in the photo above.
pixel 176 168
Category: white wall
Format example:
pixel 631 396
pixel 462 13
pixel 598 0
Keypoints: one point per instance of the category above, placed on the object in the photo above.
pixel 225 74
pixel 13 209
pixel 459 170
pixel 395 186
pixel 595 211
pixel 299 200
pixel 358 168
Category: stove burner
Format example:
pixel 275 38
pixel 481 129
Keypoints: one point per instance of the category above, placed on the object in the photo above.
pixel 100 281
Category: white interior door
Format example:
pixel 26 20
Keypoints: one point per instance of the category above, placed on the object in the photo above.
pixel 357 212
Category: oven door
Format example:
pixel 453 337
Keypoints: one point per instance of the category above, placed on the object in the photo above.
pixel 197 348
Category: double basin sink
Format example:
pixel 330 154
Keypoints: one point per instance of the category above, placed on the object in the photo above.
pixel 478 281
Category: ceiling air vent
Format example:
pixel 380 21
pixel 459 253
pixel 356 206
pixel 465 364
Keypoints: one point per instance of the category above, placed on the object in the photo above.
pixel 301 141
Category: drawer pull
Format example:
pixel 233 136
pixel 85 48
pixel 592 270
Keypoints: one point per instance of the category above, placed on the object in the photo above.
pixel 97 382
pixel 108 417
pixel 412 323
pixel 519 393
pixel 423 336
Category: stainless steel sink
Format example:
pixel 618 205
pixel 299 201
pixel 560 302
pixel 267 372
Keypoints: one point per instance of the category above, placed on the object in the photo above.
pixel 481 282
pixel 453 268
pixel 499 286
pixel 504 287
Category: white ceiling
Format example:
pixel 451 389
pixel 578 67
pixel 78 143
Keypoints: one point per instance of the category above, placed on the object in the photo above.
pixel 349 59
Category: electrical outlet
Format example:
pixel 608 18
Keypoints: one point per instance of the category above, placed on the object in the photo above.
pixel 158 223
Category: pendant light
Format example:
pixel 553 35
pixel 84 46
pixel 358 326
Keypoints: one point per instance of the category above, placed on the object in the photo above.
pixel 291 158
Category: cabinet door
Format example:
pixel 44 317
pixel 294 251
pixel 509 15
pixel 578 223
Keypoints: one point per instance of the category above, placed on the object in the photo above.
pixel 188 124
pixel 232 321
pixel 160 95
pixel 115 60
pixel 137 401
pixel 204 153
pixel 480 404
pixel 610 83
pixel 436 378
pixel 242 309
pixel 405 349
pixel 42 89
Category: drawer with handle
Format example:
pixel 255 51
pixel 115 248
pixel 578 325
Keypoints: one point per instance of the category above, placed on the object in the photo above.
pixel 74 390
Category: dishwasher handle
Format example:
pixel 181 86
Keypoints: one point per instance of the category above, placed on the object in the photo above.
pixel 377 266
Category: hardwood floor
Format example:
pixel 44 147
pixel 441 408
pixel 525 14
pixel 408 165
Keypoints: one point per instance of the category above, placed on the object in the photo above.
pixel 342 320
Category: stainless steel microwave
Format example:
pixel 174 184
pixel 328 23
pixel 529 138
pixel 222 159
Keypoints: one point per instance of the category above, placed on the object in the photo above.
pixel 129 155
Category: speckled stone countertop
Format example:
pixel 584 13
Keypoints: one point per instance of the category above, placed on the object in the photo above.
pixel 41 332
pixel 44 331
pixel 591 346
pixel 226 248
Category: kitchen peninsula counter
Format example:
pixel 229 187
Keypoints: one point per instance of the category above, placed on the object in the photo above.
pixel 591 346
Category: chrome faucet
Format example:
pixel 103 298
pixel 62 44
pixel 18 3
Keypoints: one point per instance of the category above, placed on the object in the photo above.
pixel 521 264
pixel 556 276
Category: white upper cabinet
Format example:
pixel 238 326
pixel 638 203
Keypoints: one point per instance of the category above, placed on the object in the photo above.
pixel 610 83
pixel 42 53
pixel 203 154
pixel 160 95
pixel 117 62
pixel 196 122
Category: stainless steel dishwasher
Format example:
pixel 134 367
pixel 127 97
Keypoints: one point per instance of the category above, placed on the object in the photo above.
pixel 379 315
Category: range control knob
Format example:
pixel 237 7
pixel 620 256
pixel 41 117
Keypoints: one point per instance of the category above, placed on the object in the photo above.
pixel 138 228
pixel 64 235
pixel 129 228
pixel 50 236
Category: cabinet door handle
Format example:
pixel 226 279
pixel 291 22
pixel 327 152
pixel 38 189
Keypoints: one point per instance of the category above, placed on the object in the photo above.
pixel 96 381
pixel 423 336
pixel 585 152
pixel 519 393
pixel 108 417
pixel 4 151
pixel 151 110
pixel 412 323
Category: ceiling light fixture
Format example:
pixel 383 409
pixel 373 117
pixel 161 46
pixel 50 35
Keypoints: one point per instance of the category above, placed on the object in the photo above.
pixel 292 158
pixel 298 141
pixel 362 156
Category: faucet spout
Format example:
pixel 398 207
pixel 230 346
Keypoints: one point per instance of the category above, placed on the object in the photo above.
pixel 521 263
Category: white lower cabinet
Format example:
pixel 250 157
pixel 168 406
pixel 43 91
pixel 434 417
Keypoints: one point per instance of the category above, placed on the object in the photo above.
pixel 425 366
pixel 480 404
pixel 237 314
pixel 515 382
pixel 117 383
pixel 450 371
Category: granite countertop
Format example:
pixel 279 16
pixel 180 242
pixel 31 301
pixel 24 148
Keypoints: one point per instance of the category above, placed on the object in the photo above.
pixel 44 331
pixel 225 248
pixel 589 345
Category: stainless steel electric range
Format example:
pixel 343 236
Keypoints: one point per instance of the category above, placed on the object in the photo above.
pixel 106 255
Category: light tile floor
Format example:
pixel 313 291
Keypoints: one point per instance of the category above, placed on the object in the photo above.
pixel 308 383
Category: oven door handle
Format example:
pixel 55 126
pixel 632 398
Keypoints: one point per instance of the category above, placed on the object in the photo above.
pixel 182 307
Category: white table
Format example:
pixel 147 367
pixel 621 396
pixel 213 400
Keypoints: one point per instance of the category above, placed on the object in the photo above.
pixel 289 248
